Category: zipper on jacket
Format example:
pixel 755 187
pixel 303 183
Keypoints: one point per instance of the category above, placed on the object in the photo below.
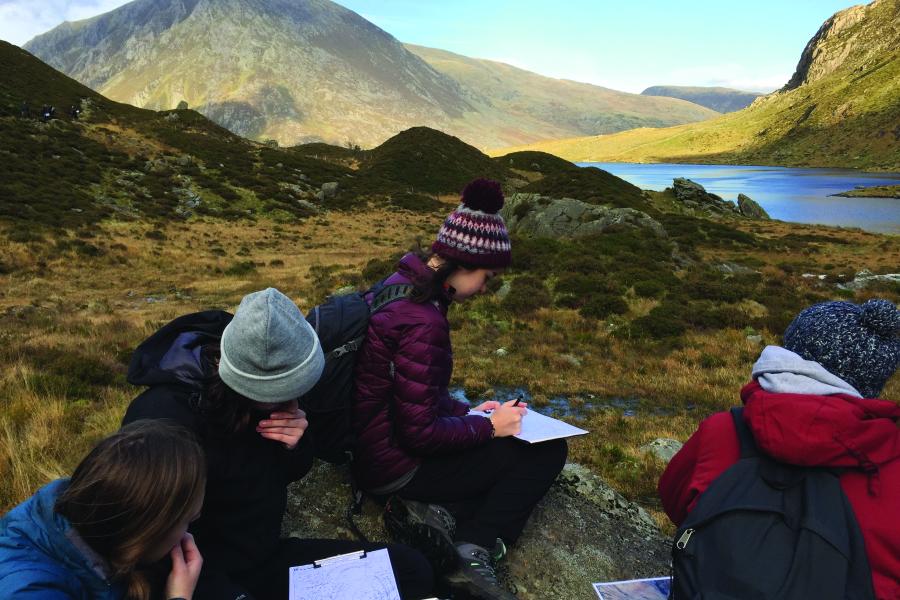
pixel 684 539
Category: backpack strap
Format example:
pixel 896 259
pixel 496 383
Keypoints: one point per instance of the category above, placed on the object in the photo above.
pixel 745 436
pixel 779 475
pixel 388 294
pixel 384 295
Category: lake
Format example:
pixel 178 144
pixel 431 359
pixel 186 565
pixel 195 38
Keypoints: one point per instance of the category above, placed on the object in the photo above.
pixel 790 194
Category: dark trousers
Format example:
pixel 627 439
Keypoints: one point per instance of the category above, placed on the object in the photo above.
pixel 491 489
pixel 269 581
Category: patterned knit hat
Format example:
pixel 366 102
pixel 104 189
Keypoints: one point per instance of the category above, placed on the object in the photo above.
pixel 858 343
pixel 474 234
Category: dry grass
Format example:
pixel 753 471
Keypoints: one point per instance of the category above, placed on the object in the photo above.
pixel 68 322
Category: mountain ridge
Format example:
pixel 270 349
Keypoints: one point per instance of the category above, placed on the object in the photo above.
pixel 296 73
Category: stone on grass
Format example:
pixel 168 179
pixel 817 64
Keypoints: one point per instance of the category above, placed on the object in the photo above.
pixel 663 448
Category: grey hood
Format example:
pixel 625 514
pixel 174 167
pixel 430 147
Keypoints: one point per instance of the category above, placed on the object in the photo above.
pixel 781 371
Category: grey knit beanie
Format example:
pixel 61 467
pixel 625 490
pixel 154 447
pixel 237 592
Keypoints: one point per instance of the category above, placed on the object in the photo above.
pixel 858 343
pixel 269 352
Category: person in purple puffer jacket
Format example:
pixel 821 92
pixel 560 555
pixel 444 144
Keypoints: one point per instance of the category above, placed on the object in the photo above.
pixel 420 446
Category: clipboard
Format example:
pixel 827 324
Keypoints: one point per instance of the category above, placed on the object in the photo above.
pixel 359 575
pixel 538 428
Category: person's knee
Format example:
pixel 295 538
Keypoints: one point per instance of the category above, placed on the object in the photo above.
pixel 552 453
pixel 415 577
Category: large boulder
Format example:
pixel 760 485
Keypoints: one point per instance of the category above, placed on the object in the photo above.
pixel 581 532
pixel 750 208
pixel 543 216
pixel 693 195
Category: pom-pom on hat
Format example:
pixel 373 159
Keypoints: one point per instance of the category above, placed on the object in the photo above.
pixel 858 343
pixel 474 234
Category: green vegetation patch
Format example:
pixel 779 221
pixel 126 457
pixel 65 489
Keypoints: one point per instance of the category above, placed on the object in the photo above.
pixel 430 161
pixel 591 185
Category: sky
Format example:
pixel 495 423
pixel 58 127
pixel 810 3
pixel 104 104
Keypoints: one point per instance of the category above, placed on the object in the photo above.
pixel 625 45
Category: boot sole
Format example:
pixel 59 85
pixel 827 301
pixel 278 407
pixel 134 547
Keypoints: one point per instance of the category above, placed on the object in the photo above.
pixel 437 548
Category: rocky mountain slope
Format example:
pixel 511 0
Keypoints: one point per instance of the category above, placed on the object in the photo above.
pixel 841 108
pixel 719 99
pixel 315 71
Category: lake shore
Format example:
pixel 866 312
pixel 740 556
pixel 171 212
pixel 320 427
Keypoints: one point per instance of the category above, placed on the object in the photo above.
pixel 797 195
pixel 878 191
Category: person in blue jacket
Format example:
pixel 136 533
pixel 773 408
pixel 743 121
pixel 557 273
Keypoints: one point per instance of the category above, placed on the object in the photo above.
pixel 126 506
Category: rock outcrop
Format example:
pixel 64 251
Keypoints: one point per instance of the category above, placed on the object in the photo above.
pixel 663 448
pixel 866 278
pixel 750 208
pixel 581 532
pixel 693 195
pixel 538 215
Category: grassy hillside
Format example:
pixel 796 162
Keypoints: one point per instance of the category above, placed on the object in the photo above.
pixel 845 113
pixel 118 161
pixel 102 241
pixel 526 104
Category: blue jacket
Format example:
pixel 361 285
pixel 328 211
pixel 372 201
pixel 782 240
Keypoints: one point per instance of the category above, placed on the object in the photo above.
pixel 42 557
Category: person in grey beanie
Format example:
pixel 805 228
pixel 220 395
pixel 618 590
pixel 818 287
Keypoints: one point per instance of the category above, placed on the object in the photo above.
pixel 813 402
pixel 235 382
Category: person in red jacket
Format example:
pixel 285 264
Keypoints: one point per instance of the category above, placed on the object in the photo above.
pixel 420 445
pixel 813 403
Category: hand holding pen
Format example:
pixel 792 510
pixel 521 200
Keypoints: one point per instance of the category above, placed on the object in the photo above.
pixel 507 417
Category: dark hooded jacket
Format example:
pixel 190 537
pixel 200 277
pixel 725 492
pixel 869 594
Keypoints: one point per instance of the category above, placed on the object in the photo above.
pixel 248 475
pixel 403 411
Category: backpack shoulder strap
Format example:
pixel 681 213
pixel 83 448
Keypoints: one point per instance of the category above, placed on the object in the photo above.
pixel 745 436
pixel 389 293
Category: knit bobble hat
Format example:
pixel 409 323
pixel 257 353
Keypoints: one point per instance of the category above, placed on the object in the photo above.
pixel 474 234
pixel 269 351
pixel 858 343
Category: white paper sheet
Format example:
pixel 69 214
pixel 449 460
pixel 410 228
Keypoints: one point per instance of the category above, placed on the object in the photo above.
pixel 347 576
pixel 656 588
pixel 540 428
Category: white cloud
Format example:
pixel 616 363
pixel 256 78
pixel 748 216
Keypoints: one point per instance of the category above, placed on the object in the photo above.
pixel 21 20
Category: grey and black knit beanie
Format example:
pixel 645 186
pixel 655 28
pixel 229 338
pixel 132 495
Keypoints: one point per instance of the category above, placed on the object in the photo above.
pixel 858 343
pixel 269 352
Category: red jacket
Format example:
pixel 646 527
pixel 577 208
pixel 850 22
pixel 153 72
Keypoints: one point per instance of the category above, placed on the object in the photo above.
pixel 858 434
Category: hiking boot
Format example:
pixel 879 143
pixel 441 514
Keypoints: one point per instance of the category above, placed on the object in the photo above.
pixel 428 528
pixel 498 551
pixel 476 575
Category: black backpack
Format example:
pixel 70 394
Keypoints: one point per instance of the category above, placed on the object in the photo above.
pixel 765 530
pixel 341 323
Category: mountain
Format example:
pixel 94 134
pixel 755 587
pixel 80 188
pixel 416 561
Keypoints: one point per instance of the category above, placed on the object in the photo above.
pixel 116 160
pixel 840 109
pixel 719 99
pixel 525 102
pixel 314 71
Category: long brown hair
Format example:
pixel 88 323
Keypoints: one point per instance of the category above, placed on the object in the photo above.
pixel 225 411
pixel 130 491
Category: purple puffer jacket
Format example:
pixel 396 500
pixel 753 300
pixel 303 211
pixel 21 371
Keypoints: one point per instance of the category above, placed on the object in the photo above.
pixel 402 411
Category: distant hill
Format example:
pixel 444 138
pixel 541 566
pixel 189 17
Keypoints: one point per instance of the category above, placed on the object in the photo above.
pixel 119 161
pixel 841 109
pixel 310 71
pixel 131 163
pixel 719 99
pixel 526 104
